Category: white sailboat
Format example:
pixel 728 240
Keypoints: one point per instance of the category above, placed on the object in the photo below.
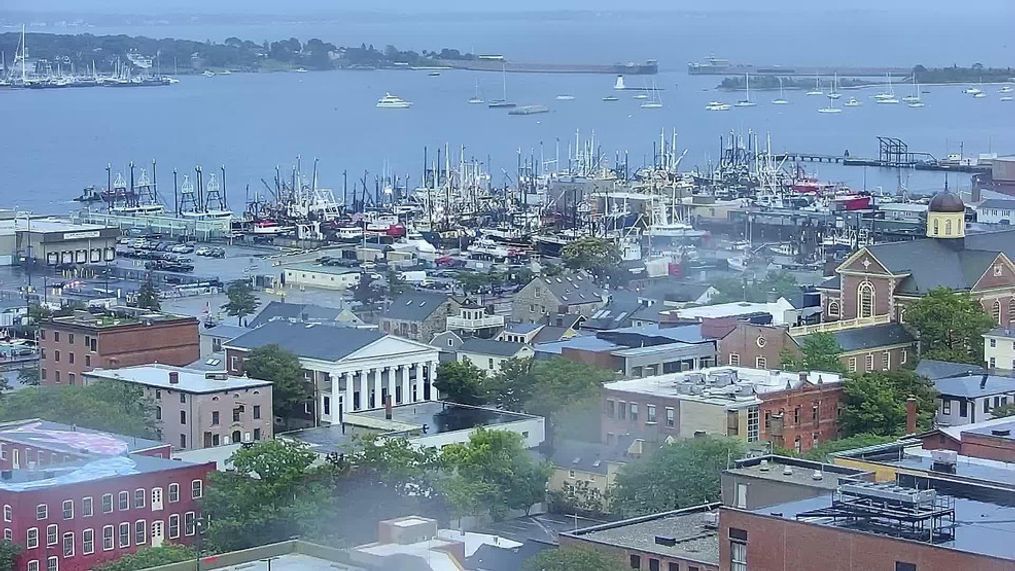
pixel 833 90
pixel 781 100
pixel 656 102
pixel 476 99
pixel 915 97
pixel 747 102
pixel 717 106
pixel 889 95
pixel 831 107
pixel 503 102
pixel 817 87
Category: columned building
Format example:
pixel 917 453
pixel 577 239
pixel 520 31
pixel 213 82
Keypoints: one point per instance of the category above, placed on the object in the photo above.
pixel 350 369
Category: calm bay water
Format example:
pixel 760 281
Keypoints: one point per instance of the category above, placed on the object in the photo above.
pixel 55 142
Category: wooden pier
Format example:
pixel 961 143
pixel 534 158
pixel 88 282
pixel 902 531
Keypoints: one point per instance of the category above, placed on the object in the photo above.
pixel 893 153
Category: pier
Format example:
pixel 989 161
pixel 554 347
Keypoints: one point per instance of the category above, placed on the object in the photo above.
pixel 650 67
pixel 715 66
pixel 892 153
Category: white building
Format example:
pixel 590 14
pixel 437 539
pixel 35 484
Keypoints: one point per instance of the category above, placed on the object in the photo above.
pixel 320 276
pixel 999 349
pixel 489 355
pixel 781 310
pixel 352 369
pixel 971 398
pixel 995 211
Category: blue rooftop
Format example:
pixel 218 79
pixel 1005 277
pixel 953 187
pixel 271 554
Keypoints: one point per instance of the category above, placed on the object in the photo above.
pixel 86 471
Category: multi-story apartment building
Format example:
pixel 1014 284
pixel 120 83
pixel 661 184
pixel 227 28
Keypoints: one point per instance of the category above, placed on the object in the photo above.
pixel 73 345
pixel 73 499
pixel 999 348
pixel 199 409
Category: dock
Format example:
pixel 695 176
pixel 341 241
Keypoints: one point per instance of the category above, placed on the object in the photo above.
pixel 892 153
pixel 650 67
pixel 722 67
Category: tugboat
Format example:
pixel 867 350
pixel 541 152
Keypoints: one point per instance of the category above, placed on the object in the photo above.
pixel 89 194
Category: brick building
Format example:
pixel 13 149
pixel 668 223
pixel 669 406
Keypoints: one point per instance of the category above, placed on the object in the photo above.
pixel 418 315
pixel 73 345
pixel 75 498
pixel 881 280
pixel 788 409
pixel 199 409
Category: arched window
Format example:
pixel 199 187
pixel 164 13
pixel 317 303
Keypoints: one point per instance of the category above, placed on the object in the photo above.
pixel 1011 312
pixel 833 309
pixel 995 311
pixel 865 300
pixel 948 227
pixel 937 226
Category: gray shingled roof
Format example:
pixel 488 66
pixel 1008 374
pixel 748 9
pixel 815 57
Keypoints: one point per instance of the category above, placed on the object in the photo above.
pixel 868 337
pixel 311 341
pixel 975 386
pixel 490 347
pixel 414 306
pixel 934 370
pixel 295 311
pixel 999 203
pixel 590 456
pixel 573 289
pixel 934 263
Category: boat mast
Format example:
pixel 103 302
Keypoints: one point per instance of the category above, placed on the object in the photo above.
pixel 24 56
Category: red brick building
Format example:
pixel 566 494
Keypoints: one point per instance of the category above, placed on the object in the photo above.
pixel 75 498
pixel 801 418
pixel 991 440
pixel 76 344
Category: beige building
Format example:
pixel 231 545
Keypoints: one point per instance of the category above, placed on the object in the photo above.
pixel 999 349
pixel 590 465
pixel 490 355
pixel 198 409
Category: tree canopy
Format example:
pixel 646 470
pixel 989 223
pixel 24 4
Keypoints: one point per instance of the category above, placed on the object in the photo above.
pixel 461 382
pixel 875 402
pixel 283 369
pixel 9 552
pixel 149 557
pixel 819 352
pixel 112 406
pixel 148 296
pixel 779 283
pixel 242 301
pixel 951 325
pixel 598 256
pixel 572 559
pixel 678 475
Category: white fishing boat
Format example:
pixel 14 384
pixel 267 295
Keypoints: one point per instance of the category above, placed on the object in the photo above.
pixel 853 102
pixel 979 95
pixel 390 101
pixel 208 73
pixel 831 107
pixel 972 90
pixel 641 96
pixel 1007 98
pixel 1006 89
pixel 781 100
pixel 611 98
pixel 565 97
pixel 747 102
pixel 817 87
pixel 717 106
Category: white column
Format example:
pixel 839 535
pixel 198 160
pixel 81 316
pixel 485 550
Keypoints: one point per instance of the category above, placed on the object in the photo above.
pixel 347 406
pixel 364 392
pixel 377 387
pixel 433 377
pixel 390 372
pixel 406 389
pixel 418 383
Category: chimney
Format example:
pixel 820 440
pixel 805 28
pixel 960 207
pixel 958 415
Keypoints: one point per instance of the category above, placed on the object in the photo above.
pixel 387 407
pixel 174 377
pixel 772 296
pixel 803 377
pixel 911 415
pixel 983 381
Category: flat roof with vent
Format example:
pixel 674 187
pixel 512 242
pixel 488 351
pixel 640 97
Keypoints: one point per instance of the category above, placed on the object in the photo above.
pixel 187 380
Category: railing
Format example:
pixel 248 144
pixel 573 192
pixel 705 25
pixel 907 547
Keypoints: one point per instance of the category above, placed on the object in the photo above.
pixel 840 325
pixel 480 323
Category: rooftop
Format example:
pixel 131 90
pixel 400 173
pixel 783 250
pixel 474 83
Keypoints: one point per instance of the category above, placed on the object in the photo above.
pixel 1001 332
pixel 54 225
pixel 308 340
pixel 981 527
pixel 70 439
pixel 117 319
pixel 491 347
pixel 859 338
pixel 302 312
pixel 1002 430
pixel 909 455
pixel 777 309
pixel 722 384
pixel 224 331
pixel 190 380
pixel 414 306
pixel 686 534
pixel 774 468
pixel 573 289
pixel 940 369
pixel 87 470
pixel 321 269
pixel 972 386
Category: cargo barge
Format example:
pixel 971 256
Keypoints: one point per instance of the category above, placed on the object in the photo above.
pixel 497 63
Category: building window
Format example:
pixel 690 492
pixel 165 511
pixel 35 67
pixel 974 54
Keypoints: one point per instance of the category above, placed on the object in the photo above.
pixel 946 406
pixel 183 441
pixel 174 493
pixel 214 418
pixel 107 538
pixel 189 523
pixel 761 363
pixel 68 509
pixel 671 416
pixel 32 539
pixel 196 487
pixel 139 498
pixel 963 408
pixel 183 398
pixel 107 503
pixel 8 513
pixel 868 362
pixel 140 532
pixel 41 511
pixel 610 408
pixel 56 356
pixel 903 356
pixel 633 411
pixel 852 364
pixel 124 535
pixel 53 564
pixel 650 413
pixel 52 531
pixel 123 502
pixel 174 526
pixel 68 544
pixel 635 561
pixel 257 434
pixel 903 566
pixel 87 542
pixel 183 417
pixel 734 359
pixel 33 565
pixel 753 424
pixel 886 360
pixel 257 412
pixel 986 406
pixel 995 311
pixel 158 413
pixel 833 308
pixel 653 565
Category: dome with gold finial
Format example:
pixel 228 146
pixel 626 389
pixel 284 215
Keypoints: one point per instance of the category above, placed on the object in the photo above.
pixel 946 216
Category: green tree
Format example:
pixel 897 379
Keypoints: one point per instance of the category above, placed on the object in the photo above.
pixel 148 296
pixel 579 497
pixel 777 283
pixel 283 369
pixel 598 256
pixel 9 552
pixel 461 382
pixel 149 557
pixel 572 559
pixel 493 473
pixel 396 284
pixel 364 291
pixel 678 475
pixel 106 405
pixel 951 325
pixel 29 376
pixel 242 301
pixel 875 402
pixel 550 270
pixel 1003 410
pixel 399 464
pixel 511 387
pixel 273 493
pixel 819 352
